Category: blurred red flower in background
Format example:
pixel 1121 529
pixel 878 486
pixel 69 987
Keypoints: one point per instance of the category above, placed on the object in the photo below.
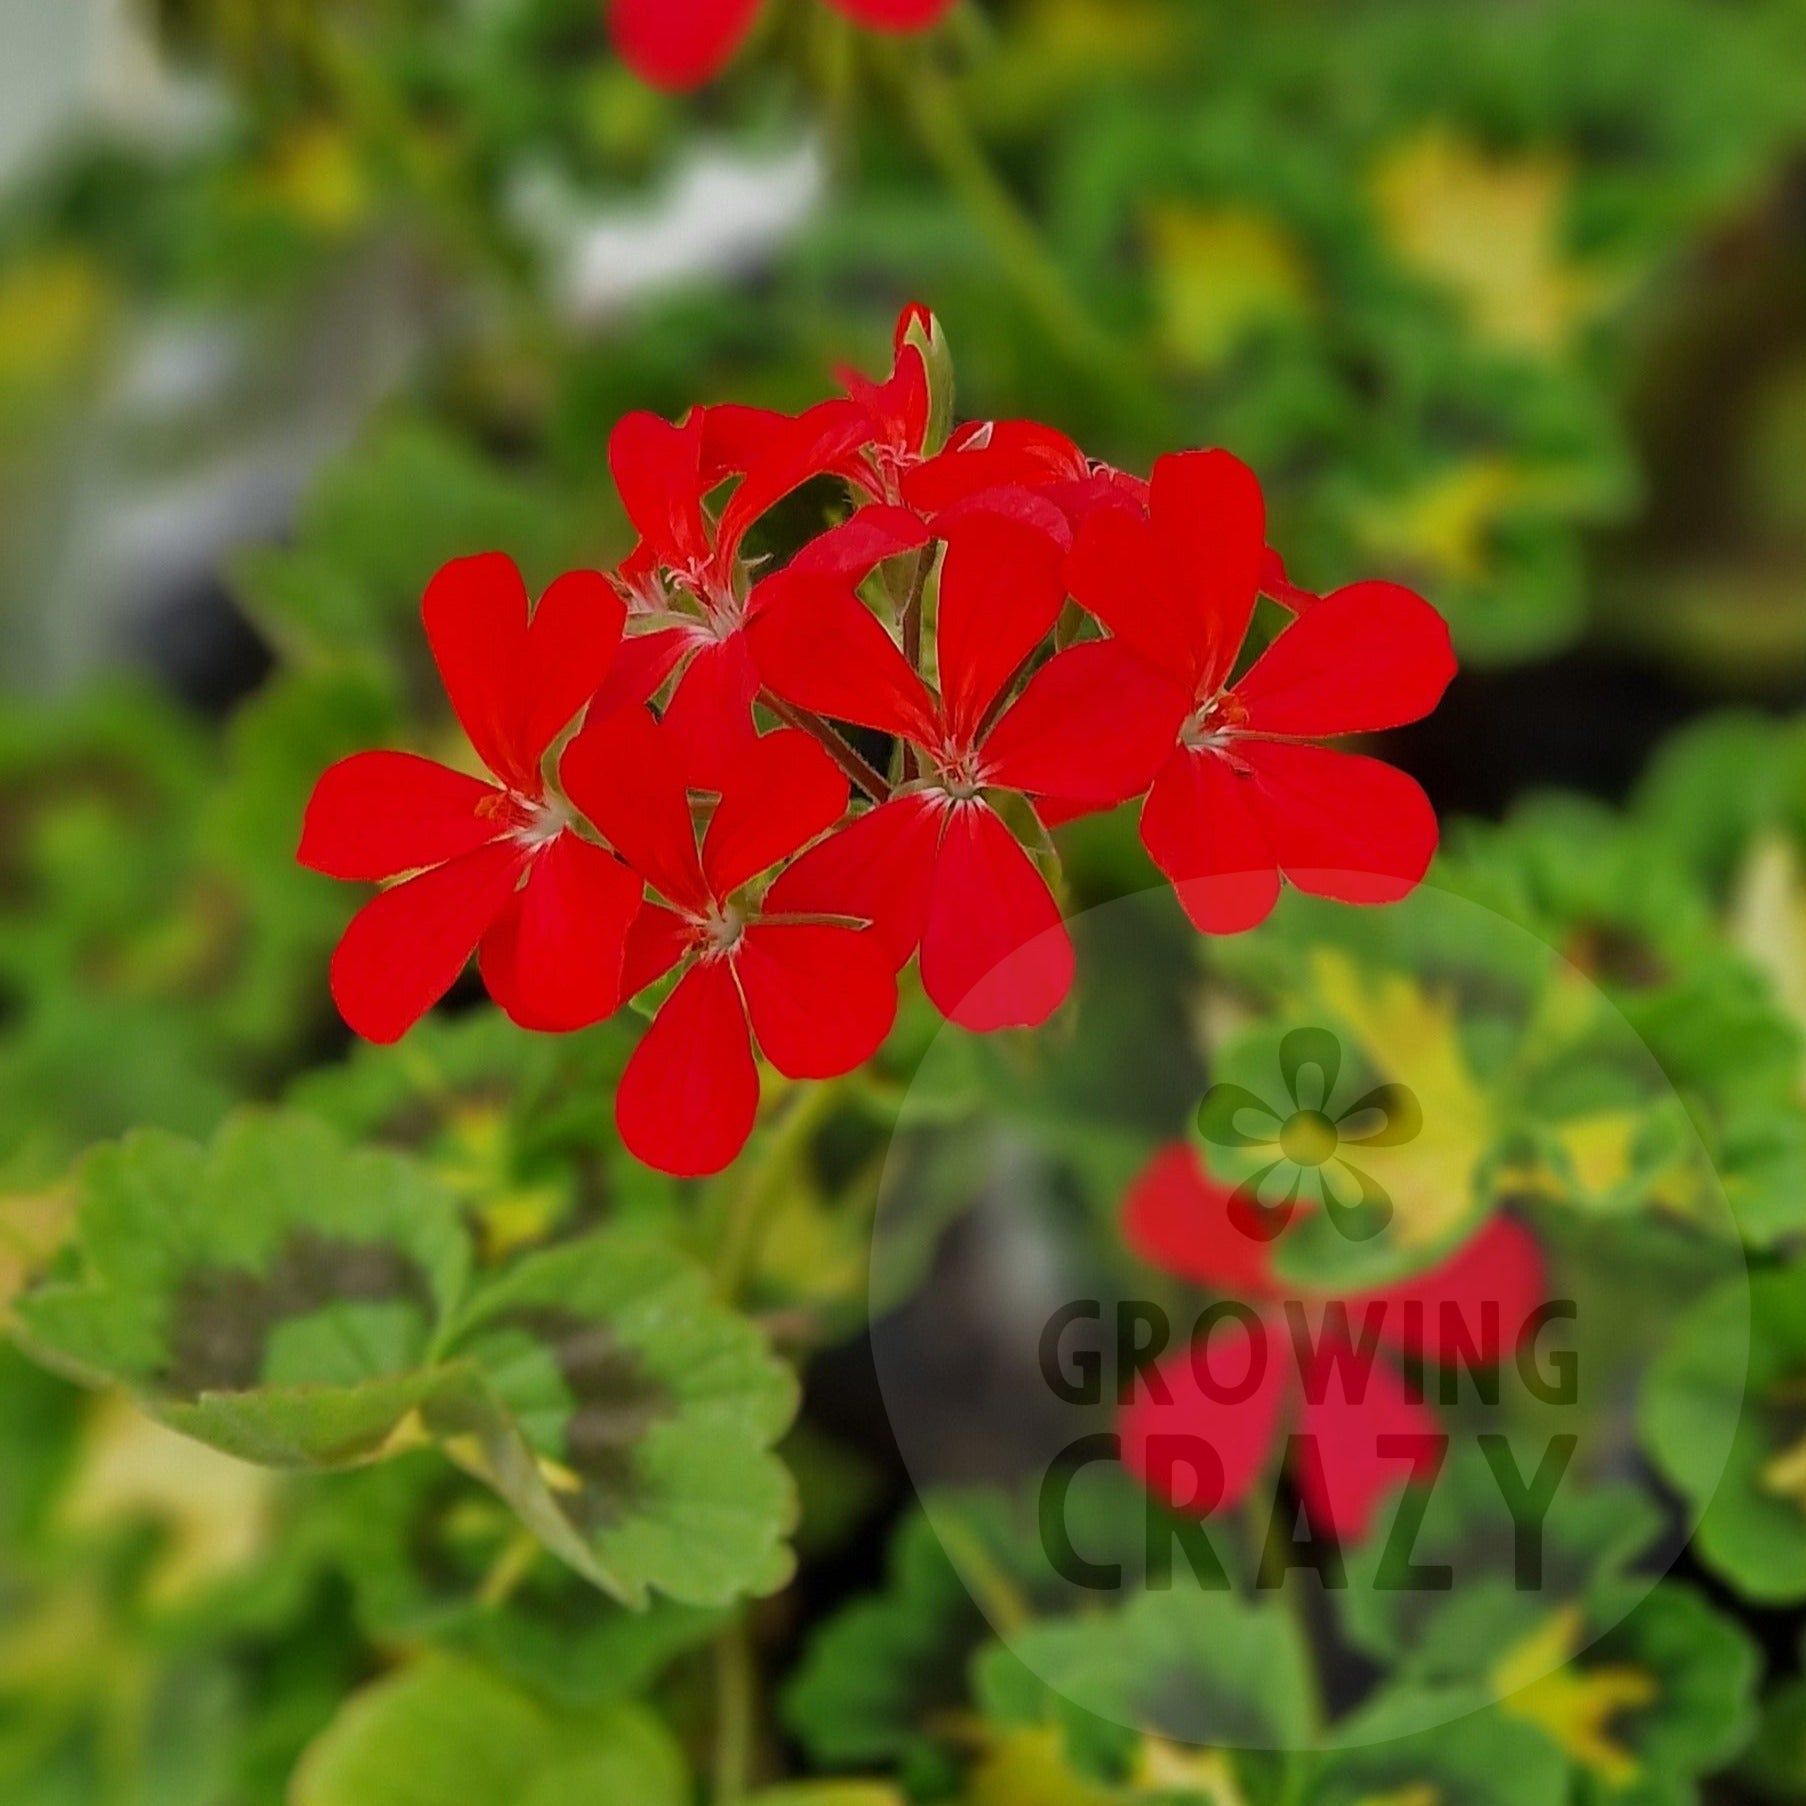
pixel 684 43
pixel 1201 1426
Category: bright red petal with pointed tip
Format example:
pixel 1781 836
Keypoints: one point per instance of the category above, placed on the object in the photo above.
pixel 553 961
pixel 782 794
pixel 855 548
pixel 570 647
pixel 379 814
pixel 1201 1426
pixel 657 468
pixel 1202 826
pixel 995 952
pixel 1353 1406
pixel 709 720
pixel 877 869
pixel 992 455
pixel 679 44
pixel 405 948
pixel 1365 658
pixel 818 646
pixel 688 1098
pixel 622 772
pixel 1476 1305
pixel 475 613
pixel 1177 1218
pixel 1342 825
pixel 735 437
pixel 1210 534
pixel 1094 724
pixel 821 999
pixel 1002 587
pixel 895 15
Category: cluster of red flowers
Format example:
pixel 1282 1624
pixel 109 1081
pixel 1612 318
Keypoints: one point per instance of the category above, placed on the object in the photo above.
pixel 1202 1426
pixel 1000 635
pixel 684 43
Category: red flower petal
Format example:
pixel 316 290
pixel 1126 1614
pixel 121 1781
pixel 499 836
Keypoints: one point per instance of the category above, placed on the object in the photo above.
pixel 688 1098
pixel 1476 1305
pixel 992 455
pixel 1002 586
pixel 821 999
pixel 1201 1425
pixel 679 43
pixel 642 664
pixel 784 791
pixel 1177 1218
pixel 571 644
pixel 1354 1405
pixel 818 440
pixel 379 814
pixel 553 960
pixel 1340 824
pixel 658 939
pixel 895 15
pixel 405 948
pixel 995 952
pixel 1201 825
pixel 1368 657
pixel 877 869
pixel 1095 723
pixel 818 646
pixel 855 548
pixel 657 466
pixel 1114 574
pixel 1210 533
pixel 735 437
pixel 475 613
pixel 622 773
pixel 708 721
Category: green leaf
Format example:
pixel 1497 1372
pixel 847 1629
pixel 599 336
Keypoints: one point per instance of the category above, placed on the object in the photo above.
pixel 297 1303
pixel 276 1294
pixel 1719 1368
pixel 1445 1744
pixel 630 1419
pixel 444 1732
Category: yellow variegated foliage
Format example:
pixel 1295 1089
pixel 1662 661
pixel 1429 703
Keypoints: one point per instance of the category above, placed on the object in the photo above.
pixel 216 1514
pixel 1768 917
pixel 1218 273
pixel 1491 230
pixel 1576 1706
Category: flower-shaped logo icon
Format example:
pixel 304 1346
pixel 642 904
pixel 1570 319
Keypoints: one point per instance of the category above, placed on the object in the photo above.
pixel 1309 1139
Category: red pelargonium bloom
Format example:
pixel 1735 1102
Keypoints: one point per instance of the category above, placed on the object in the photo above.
pixel 551 946
pixel 818 994
pixel 1243 797
pixel 1201 1426
pixel 936 866
pixel 683 584
pixel 681 44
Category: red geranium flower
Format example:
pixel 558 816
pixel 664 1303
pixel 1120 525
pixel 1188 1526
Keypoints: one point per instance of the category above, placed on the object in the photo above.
pixel 819 995
pixel 683 583
pixel 683 43
pixel 935 866
pixel 1242 796
pixel 551 946
pixel 1201 1426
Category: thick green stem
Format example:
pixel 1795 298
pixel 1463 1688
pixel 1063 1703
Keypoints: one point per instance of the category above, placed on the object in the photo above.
pixel 735 1685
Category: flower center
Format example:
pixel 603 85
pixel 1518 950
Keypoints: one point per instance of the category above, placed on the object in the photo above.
pixel 1213 721
pixel 722 928
pixel 960 772
pixel 545 820
pixel 1308 1138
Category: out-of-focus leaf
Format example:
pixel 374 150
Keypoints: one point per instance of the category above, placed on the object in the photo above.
pixel 444 1732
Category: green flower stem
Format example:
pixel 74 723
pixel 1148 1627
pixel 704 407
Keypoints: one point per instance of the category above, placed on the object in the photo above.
pixel 736 1685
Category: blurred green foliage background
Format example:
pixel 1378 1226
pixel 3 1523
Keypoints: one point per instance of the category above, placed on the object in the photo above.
pixel 1505 299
